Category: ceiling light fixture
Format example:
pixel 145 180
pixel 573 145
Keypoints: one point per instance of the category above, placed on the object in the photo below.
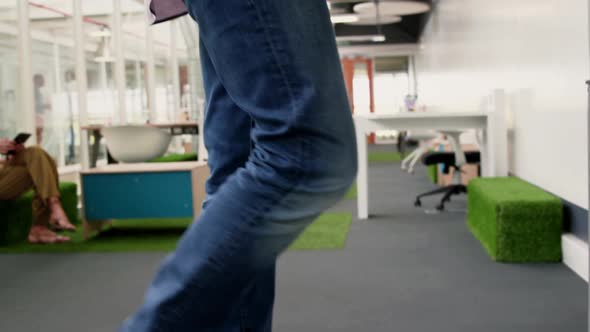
pixel 371 20
pixel 344 18
pixel 361 38
pixel 399 8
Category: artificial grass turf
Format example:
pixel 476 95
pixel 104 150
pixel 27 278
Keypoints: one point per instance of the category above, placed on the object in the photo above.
pixel 384 157
pixel 329 231
pixel 352 192
pixel 433 173
pixel 16 216
pixel 514 220
pixel 373 157
pixel 172 158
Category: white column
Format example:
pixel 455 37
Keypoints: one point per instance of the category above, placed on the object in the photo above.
pixel 494 145
pixel 588 133
pixel 57 67
pixel 102 67
pixel 81 82
pixel 174 70
pixel 362 179
pixel 197 94
pixel 27 119
pixel 151 70
pixel 500 128
pixel 119 63
pixel 59 90
pixel 412 77
pixel 138 94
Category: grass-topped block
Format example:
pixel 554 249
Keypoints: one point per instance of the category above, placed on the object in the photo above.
pixel 15 220
pixel 515 220
pixel 16 216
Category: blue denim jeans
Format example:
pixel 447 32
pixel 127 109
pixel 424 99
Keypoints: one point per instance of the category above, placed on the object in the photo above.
pixel 281 148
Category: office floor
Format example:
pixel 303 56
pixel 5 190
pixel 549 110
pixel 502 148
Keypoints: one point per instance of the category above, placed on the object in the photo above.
pixel 403 270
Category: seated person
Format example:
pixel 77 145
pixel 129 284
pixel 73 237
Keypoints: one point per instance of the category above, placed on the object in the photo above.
pixel 33 168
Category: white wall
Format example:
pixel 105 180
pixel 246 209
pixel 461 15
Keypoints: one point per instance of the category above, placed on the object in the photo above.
pixel 537 50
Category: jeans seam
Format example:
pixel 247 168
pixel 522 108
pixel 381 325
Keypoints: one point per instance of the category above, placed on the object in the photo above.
pixel 275 57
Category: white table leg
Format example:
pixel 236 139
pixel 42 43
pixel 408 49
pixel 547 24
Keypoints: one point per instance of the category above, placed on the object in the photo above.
pixel 482 141
pixel 362 176
pixel 488 157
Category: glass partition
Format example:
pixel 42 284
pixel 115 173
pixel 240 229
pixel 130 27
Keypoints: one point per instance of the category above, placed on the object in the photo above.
pixel 10 117
pixel 53 76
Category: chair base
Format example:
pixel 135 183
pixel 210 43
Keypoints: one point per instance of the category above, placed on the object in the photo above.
pixel 455 189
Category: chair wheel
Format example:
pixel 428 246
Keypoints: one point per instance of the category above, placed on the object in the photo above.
pixel 417 203
pixel 440 207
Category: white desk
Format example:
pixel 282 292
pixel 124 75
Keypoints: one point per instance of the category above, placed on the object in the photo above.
pixel 487 123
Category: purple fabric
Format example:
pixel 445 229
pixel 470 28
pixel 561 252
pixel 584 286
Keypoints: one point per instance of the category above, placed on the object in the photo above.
pixel 165 10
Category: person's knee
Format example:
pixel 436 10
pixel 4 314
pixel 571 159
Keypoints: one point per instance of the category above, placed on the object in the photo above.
pixel 35 150
pixel 335 168
pixel 347 166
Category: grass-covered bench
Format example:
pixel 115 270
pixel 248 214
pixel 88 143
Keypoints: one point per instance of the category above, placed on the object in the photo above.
pixel 515 220
pixel 16 216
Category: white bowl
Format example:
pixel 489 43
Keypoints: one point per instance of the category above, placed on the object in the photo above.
pixel 136 144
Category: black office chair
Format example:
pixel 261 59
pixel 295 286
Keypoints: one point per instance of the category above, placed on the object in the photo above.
pixel 447 159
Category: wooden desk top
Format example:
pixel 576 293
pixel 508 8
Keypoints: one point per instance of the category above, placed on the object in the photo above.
pixel 145 168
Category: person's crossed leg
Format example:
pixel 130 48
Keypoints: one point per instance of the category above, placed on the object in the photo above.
pixel 33 168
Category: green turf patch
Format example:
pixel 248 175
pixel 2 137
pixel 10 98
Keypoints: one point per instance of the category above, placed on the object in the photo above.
pixel 385 157
pixel 352 192
pixel 433 173
pixel 329 231
pixel 514 220
pixel 172 158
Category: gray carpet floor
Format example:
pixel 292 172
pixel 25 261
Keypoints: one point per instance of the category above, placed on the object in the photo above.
pixel 403 270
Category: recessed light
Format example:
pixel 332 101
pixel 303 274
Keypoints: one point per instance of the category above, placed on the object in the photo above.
pixel 361 38
pixel 344 18
pixel 399 8
pixel 378 38
pixel 372 20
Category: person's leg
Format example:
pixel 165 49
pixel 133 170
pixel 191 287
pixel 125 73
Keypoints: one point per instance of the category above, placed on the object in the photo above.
pixel 42 171
pixel 227 138
pixel 256 308
pixel 226 129
pixel 41 211
pixel 279 64
pixel 14 181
